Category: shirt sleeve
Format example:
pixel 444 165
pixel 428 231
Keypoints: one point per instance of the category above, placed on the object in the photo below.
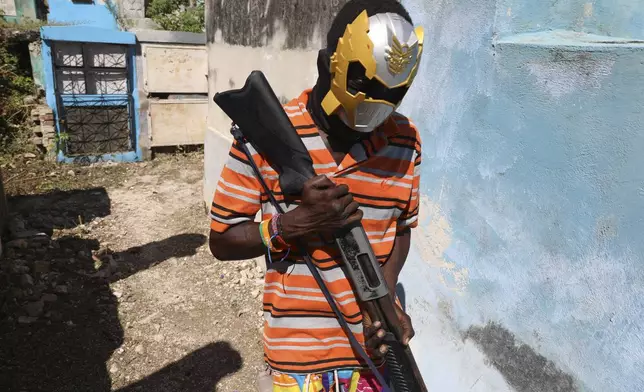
pixel 237 197
pixel 409 217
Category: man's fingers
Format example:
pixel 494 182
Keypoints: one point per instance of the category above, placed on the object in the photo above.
pixel 338 191
pixel 370 329
pixel 374 334
pixel 321 182
pixel 351 208
pixel 345 201
pixel 375 339
pixel 347 207
pixel 374 344
pixel 355 217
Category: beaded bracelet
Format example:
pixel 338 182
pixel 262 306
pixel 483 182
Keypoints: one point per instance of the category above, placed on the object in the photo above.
pixel 265 233
pixel 270 238
pixel 274 221
pixel 276 225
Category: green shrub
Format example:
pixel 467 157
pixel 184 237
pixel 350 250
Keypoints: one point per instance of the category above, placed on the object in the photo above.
pixel 178 15
pixel 15 84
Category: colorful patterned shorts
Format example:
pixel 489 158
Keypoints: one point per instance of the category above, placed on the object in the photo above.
pixel 340 380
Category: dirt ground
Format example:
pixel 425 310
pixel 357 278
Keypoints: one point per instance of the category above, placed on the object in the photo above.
pixel 107 283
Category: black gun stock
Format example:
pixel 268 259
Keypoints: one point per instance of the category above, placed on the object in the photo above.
pixel 260 120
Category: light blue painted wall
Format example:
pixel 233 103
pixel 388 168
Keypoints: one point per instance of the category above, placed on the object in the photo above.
pixel 618 18
pixel 92 23
pixel 533 195
pixel 67 12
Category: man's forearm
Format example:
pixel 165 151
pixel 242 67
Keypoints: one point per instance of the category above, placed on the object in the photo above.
pixel 241 242
pixel 244 241
pixel 391 269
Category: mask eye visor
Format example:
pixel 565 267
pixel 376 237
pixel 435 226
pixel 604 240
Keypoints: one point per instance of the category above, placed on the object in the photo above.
pixel 357 82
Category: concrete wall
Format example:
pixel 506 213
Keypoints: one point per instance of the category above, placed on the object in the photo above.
pixel 37 66
pixel 132 9
pixel 527 272
pixel 19 10
pixel 9 9
pixel 287 24
pixel 173 87
pixel 174 68
pixel 269 35
pixel 178 122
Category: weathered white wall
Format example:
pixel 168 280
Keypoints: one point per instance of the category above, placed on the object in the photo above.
pixel 172 68
pixel 8 7
pixel 131 9
pixel 173 87
pixel 175 122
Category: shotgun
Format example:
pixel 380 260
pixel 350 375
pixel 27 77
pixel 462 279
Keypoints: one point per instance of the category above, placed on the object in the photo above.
pixel 260 119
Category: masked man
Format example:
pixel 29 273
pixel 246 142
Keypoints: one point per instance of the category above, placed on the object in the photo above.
pixel 367 159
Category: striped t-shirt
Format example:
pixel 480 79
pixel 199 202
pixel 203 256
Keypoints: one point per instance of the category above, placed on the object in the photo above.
pixel 301 333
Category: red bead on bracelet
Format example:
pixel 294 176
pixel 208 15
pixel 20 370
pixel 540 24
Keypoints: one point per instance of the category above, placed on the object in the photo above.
pixel 277 232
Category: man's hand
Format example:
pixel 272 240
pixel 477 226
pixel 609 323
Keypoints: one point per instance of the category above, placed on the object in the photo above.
pixel 374 334
pixel 325 209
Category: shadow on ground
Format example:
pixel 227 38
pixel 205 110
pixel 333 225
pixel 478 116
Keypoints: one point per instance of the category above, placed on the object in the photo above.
pixel 58 317
pixel 57 210
pixel 200 371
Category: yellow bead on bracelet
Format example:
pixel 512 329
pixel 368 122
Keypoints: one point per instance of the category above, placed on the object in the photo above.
pixel 265 233
pixel 268 240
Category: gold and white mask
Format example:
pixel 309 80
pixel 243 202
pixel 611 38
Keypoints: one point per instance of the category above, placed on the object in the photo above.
pixel 374 64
